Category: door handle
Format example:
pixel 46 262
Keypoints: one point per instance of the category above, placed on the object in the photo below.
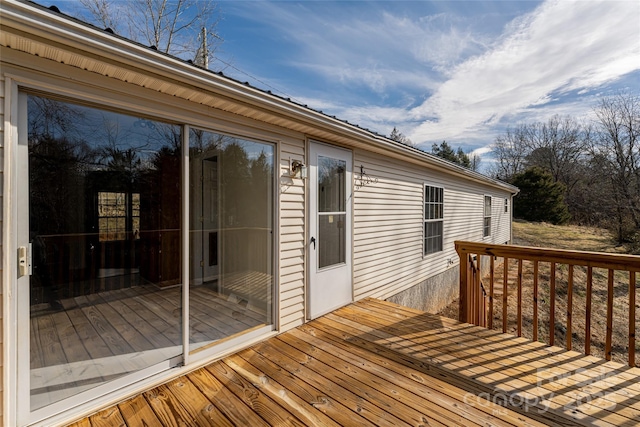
pixel 313 240
pixel 24 261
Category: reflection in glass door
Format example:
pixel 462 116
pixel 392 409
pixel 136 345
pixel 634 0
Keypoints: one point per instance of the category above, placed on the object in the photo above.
pixel 102 306
pixel 104 217
pixel 230 236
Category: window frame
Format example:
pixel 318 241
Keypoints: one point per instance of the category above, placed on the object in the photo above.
pixel 437 219
pixel 486 219
pixel 506 205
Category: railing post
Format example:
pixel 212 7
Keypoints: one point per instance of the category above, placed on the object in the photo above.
pixel 587 323
pixel 632 318
pixel 609 331
pixel 505 293
pixel 463 309
pixel 535 300
pixel 475 283
pixel 491 278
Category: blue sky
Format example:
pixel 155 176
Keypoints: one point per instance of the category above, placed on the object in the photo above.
pixel 458 71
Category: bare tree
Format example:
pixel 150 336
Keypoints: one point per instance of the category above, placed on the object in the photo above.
pixel 475 160
pixel 510 151
pixel 617 147
pixel 172 26
pixel 558 146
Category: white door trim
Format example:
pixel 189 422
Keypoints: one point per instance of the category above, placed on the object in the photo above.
pixel 9 248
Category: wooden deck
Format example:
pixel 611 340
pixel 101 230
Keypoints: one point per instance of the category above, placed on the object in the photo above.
pixel 373 363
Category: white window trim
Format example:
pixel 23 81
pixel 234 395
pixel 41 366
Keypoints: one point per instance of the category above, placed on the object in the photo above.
pixel 485 216
pixel 425 220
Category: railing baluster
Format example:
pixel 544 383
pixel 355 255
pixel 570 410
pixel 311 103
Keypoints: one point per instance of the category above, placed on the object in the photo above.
pixel 479 296
pixel 491 277
pixel 483 294
pixel 552 306
pixel 474 299
pixel 520 297
pixel 463 305
pixel 607 345
pixel 587 328
pixel 471 290
pixel 504 295
pixel 535 300
pixel 632 318
pixel 474 295
pixel 569 305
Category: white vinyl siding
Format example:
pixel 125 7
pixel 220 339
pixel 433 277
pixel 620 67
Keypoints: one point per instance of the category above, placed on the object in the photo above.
pixel 292 249
pixel 389 221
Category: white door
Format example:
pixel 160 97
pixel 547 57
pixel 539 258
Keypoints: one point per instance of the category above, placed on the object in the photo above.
pixel 330 277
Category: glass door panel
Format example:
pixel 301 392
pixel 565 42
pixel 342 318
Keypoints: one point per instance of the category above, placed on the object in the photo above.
pixel 331 211
pixel 104 228
pixel 230 236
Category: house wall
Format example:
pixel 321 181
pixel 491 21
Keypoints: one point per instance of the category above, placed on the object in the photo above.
pixel 388 230
pixel 292 238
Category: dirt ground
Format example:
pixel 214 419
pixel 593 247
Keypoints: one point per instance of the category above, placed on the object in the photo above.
pixel 565 237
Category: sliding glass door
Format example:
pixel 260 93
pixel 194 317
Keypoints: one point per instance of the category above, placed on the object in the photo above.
pixel 230 236
pixel 100 303
pixel 104 218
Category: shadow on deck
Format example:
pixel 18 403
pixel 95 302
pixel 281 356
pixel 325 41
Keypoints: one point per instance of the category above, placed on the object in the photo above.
pixel 374 363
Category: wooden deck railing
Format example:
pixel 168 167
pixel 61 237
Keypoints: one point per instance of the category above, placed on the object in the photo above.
pixel 475 297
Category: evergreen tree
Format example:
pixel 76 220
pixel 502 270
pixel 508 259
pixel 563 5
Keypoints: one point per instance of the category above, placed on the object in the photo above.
pixel 396 135
pixel 445 151
pixel 540 198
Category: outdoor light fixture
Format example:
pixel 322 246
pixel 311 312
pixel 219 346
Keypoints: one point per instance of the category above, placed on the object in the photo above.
pixel 297 167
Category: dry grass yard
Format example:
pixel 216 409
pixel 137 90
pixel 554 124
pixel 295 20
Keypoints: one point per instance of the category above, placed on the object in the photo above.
pixel 575 238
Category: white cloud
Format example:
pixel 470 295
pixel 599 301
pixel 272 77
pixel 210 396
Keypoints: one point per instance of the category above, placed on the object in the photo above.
pixel 559 47
pixel 373 48
pixel 438 71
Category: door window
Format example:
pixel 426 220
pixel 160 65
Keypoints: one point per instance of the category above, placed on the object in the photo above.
pixel 331 211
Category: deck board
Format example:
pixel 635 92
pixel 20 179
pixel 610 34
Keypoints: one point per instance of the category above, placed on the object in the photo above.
pixel 557 362
pixel 137 411
pixel 489 369
pixel 374 363
pixel 313 397
pixel 447 405
pixel 225 400
pixel 205 413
